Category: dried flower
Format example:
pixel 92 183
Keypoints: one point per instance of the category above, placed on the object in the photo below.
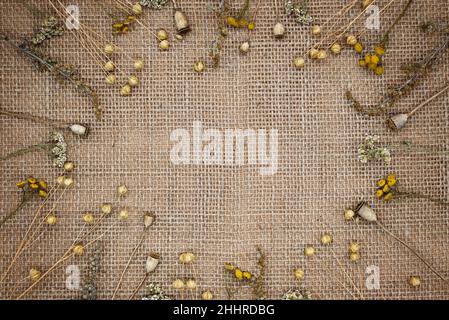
pixel 30 188
pixel 125 90
pixel 50 28
pixel 354 256
pixel 295 294
pixel 299 11
pixel 244 47
pixel 68 182
pixel 354 247
pixel 316 30
pixel 139 64
pixel 181 21
pixel 370 150
pixel 109 48
pixel 164 45
pixel 154 292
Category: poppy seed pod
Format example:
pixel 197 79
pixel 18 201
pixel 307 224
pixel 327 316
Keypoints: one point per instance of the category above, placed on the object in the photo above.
pixel 181 22
pixel 397 121
pixel 366 212
pixel 148 219
pixel 278 30
pixel 152 262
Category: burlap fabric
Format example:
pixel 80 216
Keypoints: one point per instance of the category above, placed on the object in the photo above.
pixel 221 213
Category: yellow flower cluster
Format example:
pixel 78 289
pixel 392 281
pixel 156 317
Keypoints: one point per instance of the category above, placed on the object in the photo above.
pixel 122 26
pixel 373 61
pixel 35 185
pixel 238 273
pixel 240 23
pixel 386 187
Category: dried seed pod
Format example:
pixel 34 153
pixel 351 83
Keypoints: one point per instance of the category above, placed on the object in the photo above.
pixel 336 48
pixel 51 220
pixel 78 250
pixel 137 8
pixel 397 121
pixel 69 166
pixel 313 53
pixel 35 274
pixel 88 217
pixel 68 182
pixel 198 66
pixel 322 54
pixel 133 81
pixel 60 180
pixel 349 214
pixel 186 257
pixel 207 295
pixel 122 190
pixel 111 79
pixel 309 251
pixel 316 30
pixel 326 239
pixel 351 40
pixel 191 284
pixel 181 22
pixel 164 45
pixel 354 247
pixel 109 66
pixel 109 48
pixel 123 214
pixel 125 90
pixel 415 281
pixel 152 262
pixel 299 274
pixel 106 208
pixel 278 30
pixel 299 62
pixel 366 212
pixel 162 34
pixel 354 256
pixel 139 64
pixel 178 284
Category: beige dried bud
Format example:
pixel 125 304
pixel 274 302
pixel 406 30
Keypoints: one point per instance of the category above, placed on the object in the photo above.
pixel 78 250
pixel 122 190
pixel 51 220
pixel 139 64
pixel 244 47
pixel 198 66
pixel 309 251
pixel 88 217
pixel 415 281
pixel 133 81
pixel 336 48
pixel 316 30
pixel 349 214
pixel 164 45
pixel 313 53
pixel 162 35
pixel 207 295
pixel 109 48
pixel 111 79
pixel 79 129
pixel 106 208
pixel 60 180
pixel 191 284
pixel 299 62
pixel 354 247
pixel 299 274
pixel 68 182
pixel 35 274
pixel 181 22
pixel 125 90
pixel 354 256
pixel 123 214
pixel 69 166
pixel 137 9
pixel 351 40
pixel 326 239
pixel 178 284
pixel 186 257
pixel 109 66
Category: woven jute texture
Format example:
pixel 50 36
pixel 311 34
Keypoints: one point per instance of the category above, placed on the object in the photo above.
pixel 221 213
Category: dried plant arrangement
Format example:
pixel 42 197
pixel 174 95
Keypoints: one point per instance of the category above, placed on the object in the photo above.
pixel 89 289
pixel 415 73
pixel 81 242
pixel 42 221
pixel 101 51
pixel 366 213
pixel 337 33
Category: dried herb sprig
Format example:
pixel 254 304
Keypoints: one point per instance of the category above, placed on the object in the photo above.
pixel 60 72
pixel 55 146
pixel 296 294
pixel 370 150
pixel 259 290
pixel 49 28
pixel 89 290
pixel 154 292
